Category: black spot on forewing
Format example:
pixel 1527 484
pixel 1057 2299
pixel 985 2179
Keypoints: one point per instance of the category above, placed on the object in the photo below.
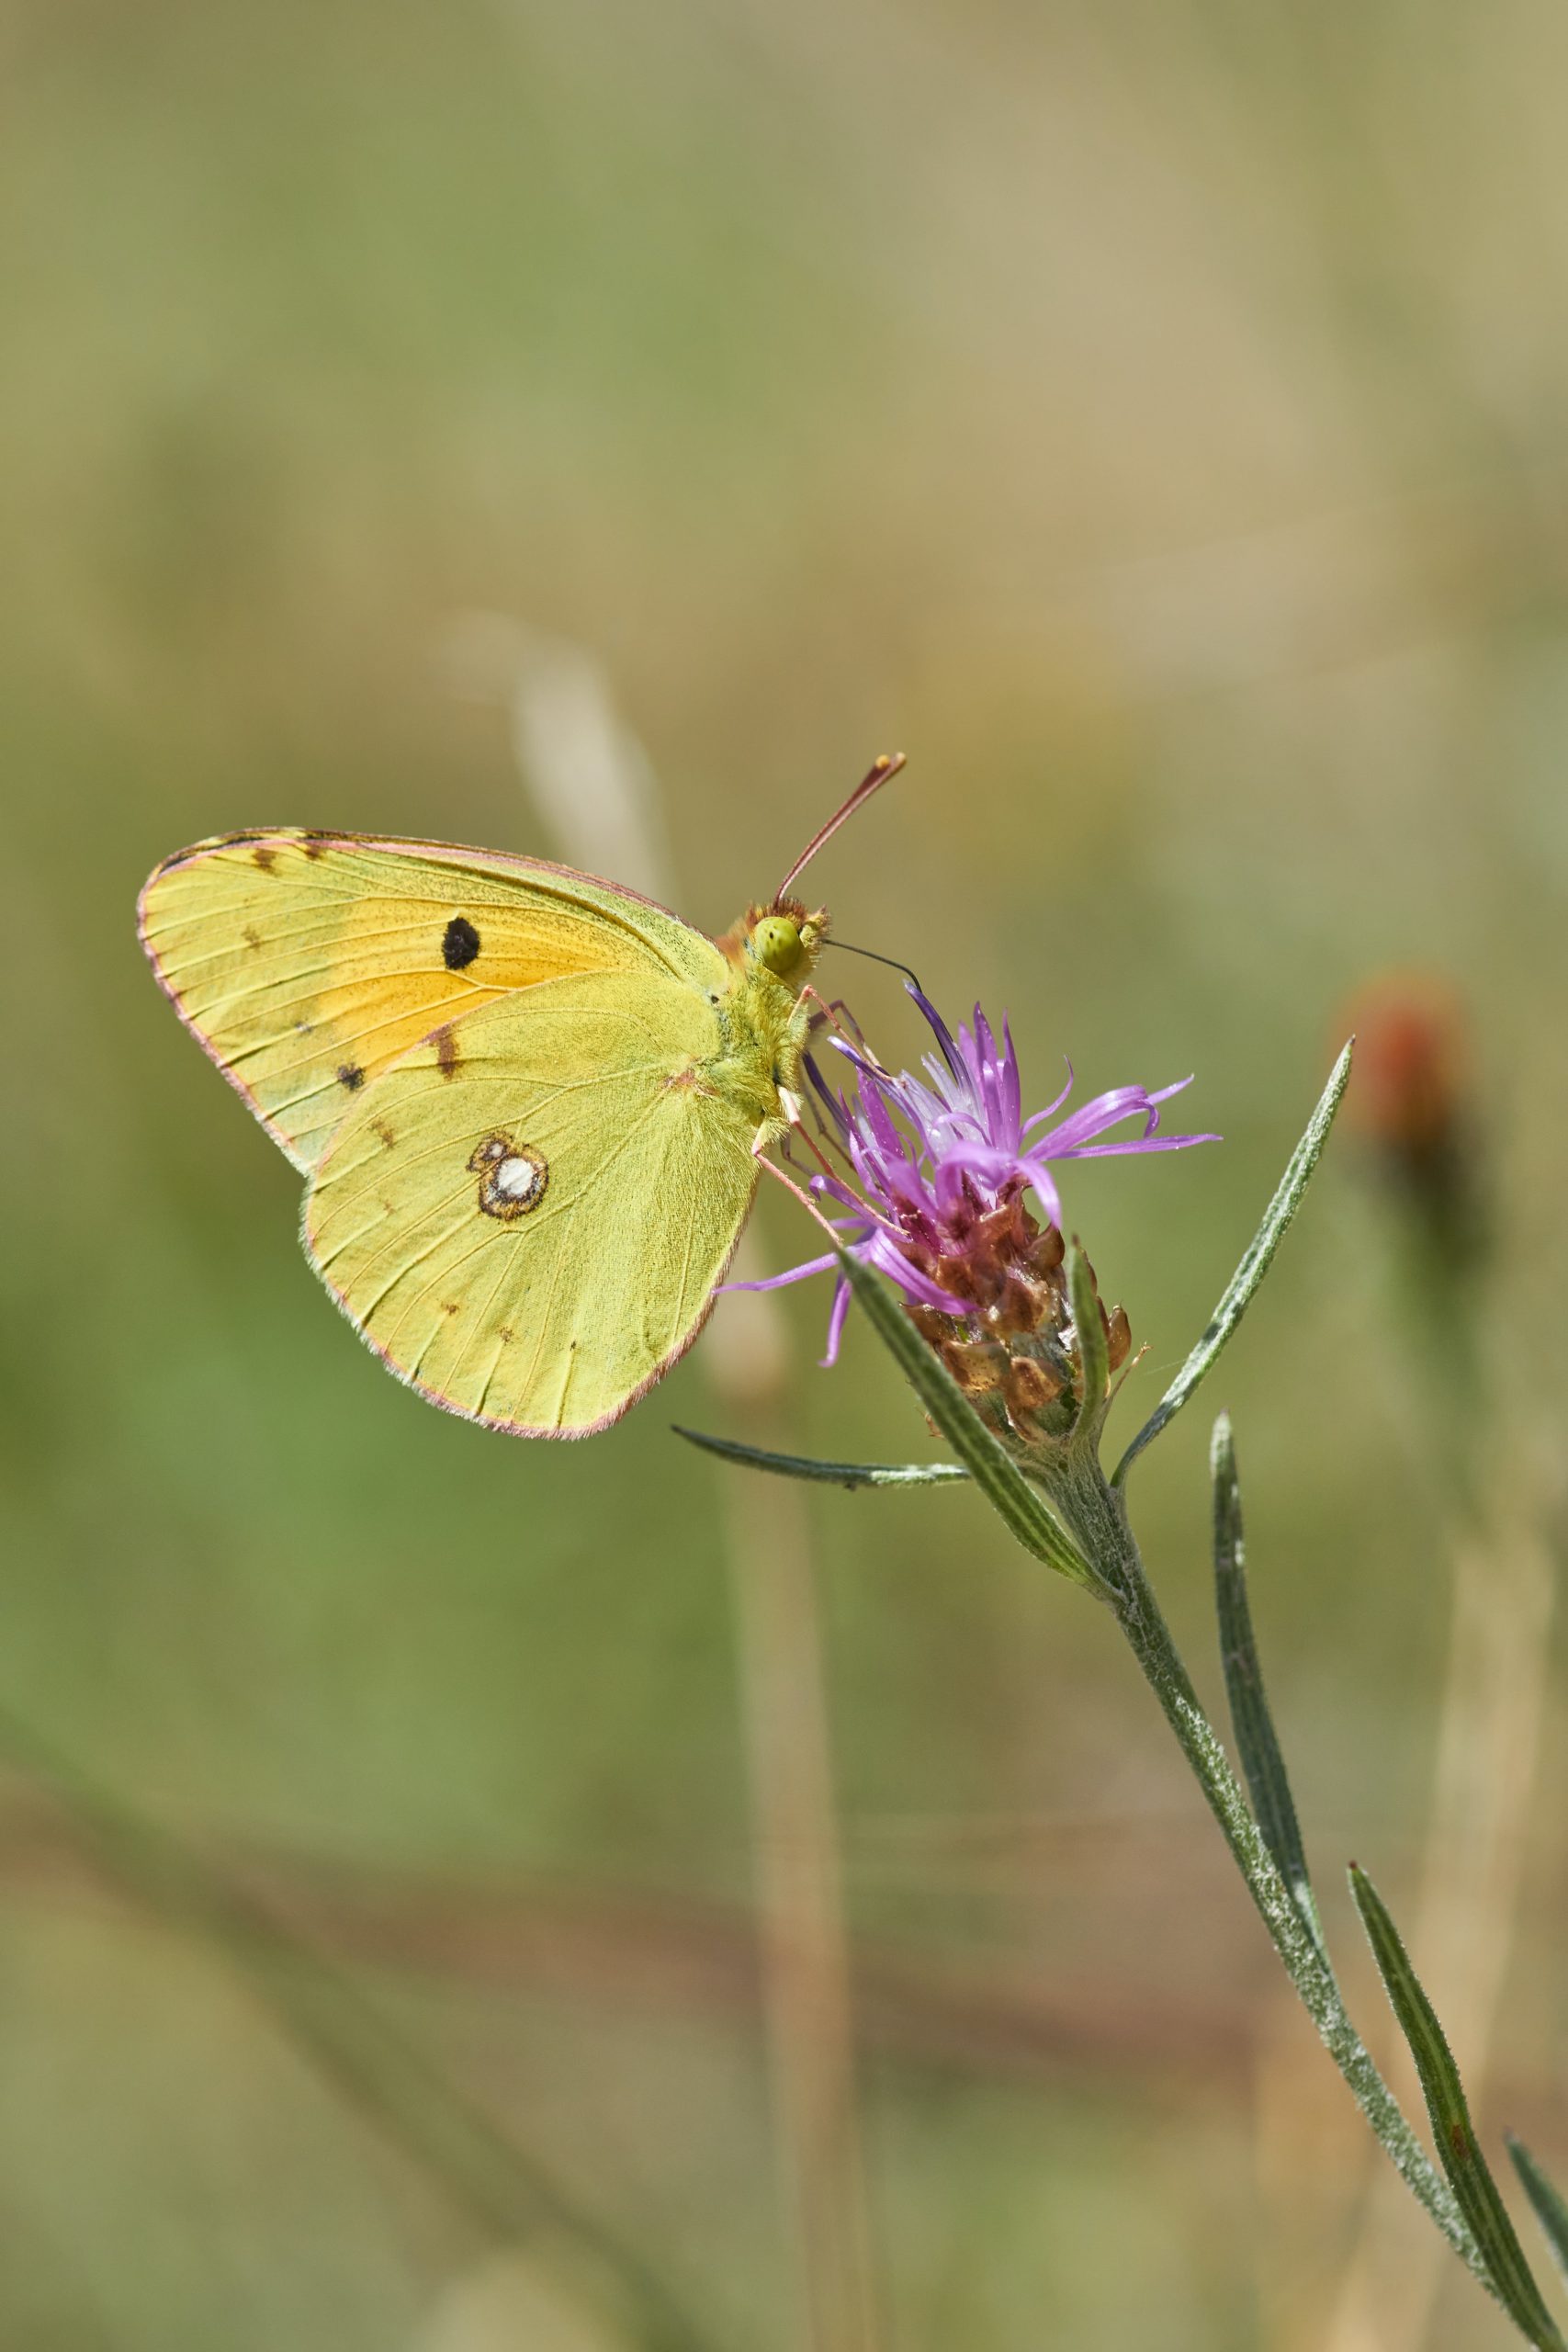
pixel 445 1045
pixel 264 855
pixel 350 1076
pixel 313 844
pixel 461 944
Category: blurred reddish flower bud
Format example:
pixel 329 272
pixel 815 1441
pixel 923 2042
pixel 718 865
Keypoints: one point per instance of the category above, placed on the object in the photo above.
pixel 1410 1098
pixel 1410 1082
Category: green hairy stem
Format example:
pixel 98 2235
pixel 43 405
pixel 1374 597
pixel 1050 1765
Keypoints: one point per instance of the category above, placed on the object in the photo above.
pixel 1046 1485
pixel 1098 1517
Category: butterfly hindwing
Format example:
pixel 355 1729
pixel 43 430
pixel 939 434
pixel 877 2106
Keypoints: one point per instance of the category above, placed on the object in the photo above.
pixel 526 1216
pixel 308 963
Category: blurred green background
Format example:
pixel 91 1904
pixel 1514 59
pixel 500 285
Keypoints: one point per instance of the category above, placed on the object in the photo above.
pixel 1152 419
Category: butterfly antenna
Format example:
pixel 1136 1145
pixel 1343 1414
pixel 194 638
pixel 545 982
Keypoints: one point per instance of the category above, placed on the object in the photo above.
pixel 891 961
pixel 875 777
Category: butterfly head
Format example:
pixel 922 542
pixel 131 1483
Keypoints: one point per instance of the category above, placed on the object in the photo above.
pixel 783 939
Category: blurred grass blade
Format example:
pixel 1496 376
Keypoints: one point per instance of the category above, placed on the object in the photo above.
pixel 1458 2148
pixel 1094 1349
pixel 993 1470
pixel 1254 1724
pixel 829 1473
pixel 501 2188
pixel 1550 2206
pixel 1255 1264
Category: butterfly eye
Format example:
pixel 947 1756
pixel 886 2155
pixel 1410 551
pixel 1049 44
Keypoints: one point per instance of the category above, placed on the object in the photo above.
pixel 776 942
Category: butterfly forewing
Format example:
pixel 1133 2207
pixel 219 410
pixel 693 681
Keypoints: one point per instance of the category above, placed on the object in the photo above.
pixel 527 1216
pixel 308 963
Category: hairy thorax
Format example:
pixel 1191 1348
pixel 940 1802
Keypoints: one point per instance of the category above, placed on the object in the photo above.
pixel 764 1015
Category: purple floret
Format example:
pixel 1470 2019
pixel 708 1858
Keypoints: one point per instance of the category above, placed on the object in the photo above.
pixel 932 1157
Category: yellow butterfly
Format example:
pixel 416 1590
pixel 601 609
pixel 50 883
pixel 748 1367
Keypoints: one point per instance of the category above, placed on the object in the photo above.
pixel 530 1105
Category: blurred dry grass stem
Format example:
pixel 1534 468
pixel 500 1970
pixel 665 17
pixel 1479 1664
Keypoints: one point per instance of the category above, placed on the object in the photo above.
pixel 596 790
pixel 581 2265
pixel 809 2012
pixel 1464 1922
pixel 1465 1919
pixel 507 2302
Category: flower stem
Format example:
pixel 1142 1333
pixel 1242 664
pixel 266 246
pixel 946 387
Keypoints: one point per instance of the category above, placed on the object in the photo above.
pixel 1097 1515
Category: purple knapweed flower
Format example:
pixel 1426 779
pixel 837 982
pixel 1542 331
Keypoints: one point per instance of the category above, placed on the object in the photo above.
pixel 936 1169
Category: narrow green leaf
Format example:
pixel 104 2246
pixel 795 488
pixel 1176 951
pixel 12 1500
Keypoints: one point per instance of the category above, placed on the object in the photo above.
pixel 1254 1724
pixel 1550 2206
pixel 1255 1264
pixel 993 1470
pixel 1094 1352
pixel 829 1473
pixel 1473 2187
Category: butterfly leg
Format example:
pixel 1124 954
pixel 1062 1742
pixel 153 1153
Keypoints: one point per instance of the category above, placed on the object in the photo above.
pixel 813 1146
pixel 772 1168
pixel 832 1014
